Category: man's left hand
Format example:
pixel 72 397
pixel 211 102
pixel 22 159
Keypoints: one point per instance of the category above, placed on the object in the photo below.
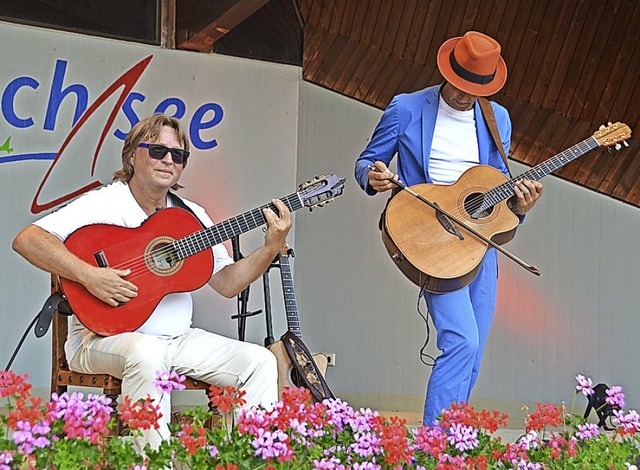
pixel 527 193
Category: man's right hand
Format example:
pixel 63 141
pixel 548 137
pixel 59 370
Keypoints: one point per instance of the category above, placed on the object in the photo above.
pixel 380 180
pixel 110 285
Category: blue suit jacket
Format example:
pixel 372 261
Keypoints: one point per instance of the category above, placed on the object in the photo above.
pixel 406 128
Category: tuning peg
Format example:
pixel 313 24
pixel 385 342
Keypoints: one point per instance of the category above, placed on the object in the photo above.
pixel 618 146
pixel 625 143
pixel 601 127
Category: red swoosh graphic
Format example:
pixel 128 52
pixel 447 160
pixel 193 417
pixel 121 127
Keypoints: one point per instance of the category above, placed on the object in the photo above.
pixel 127 80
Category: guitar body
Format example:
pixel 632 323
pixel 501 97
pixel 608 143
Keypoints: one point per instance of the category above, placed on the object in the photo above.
pixel 288 375
pixel 425 251
pixel 154 269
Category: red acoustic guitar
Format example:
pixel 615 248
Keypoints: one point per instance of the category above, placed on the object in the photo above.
pixel 168 253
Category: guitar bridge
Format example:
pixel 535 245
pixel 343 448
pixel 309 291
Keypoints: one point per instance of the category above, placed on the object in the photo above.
pixel 101 259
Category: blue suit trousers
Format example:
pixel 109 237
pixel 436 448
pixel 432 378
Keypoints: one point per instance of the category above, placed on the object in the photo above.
pixel 462 320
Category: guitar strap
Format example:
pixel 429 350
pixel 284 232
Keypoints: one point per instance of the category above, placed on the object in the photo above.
pixel 489 117
pixel 178 202
pixel 306 368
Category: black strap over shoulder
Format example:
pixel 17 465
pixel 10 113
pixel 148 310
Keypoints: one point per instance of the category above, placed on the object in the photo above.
pixel 178 202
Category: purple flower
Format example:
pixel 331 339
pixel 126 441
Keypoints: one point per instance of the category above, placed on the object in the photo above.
pixel 366 445
pixel 615 397
pixel 271 444
pixel 628 422
pixel 166 381
pixel 82 419
pixel 328 464
pixel 366 466
pixel 463 437
pixel 361 421
pixel 585 385
pixel 529 441
pixel 588 431
pixel 29 437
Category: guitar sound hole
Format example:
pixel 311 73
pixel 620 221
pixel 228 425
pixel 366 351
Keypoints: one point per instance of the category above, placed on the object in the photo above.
pixel 164 258
pixel 295 378
pixel 161 258
pixel 473 206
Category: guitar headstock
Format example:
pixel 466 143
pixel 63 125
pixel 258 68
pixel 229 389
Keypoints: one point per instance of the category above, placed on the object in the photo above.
pixel 613 135
pixel 321 190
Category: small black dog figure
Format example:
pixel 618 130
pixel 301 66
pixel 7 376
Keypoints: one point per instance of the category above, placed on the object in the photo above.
pixel 597 401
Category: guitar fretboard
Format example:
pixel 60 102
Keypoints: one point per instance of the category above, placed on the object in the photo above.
pixel 505 190
pixel 290 303
pixel 208 237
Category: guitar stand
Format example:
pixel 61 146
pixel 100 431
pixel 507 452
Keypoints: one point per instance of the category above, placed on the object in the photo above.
pixel 243 297
pixel 269 339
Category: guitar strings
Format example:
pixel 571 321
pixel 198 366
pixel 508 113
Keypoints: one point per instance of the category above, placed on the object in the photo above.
pixel 139 264
pixel 505 190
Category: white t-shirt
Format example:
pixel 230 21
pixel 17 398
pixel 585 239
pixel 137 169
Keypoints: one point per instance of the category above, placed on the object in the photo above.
pixel 115 205
pixel 454 148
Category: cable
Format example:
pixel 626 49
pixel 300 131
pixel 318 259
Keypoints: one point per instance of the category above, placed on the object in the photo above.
pixel 24 336
pixel 423 354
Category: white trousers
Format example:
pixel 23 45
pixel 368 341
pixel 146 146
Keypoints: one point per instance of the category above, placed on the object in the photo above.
pixel 135 358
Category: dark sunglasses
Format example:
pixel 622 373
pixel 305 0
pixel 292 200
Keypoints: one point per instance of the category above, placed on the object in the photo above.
pixel 157 152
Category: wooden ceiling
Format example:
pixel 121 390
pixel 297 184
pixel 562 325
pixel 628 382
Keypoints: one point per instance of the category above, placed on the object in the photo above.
pixel 573 64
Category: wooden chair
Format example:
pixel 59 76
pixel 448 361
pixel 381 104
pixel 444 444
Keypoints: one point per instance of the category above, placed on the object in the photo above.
pixel 62 377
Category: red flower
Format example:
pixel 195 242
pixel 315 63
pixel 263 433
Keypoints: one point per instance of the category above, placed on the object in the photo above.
pixel 225 399
pixel 193 438
pixel 141 414
pixel 393 439
pixel 547 414
pixel 12 384
pixel 466 415
pixel 23 412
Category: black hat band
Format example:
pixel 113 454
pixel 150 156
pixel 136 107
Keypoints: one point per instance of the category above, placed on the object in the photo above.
pixel 467 75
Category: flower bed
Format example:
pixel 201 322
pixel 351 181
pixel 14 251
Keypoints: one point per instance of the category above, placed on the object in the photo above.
pixel 73 432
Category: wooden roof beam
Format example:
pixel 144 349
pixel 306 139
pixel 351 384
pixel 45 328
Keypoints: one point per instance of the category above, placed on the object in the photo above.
pixel 201 23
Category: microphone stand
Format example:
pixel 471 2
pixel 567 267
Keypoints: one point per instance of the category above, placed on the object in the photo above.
pixel 243 297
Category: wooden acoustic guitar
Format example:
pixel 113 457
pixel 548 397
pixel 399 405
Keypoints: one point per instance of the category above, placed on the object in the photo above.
pixel 168 253
pixel 297 367
pixel 441 256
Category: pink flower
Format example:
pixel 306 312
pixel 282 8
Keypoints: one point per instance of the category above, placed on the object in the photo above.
pixel 587 431
pixel 166 381
pixel 615 396
pixel 463 437
pixel 585 385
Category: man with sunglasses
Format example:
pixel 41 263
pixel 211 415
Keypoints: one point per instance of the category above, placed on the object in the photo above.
pixel 154 155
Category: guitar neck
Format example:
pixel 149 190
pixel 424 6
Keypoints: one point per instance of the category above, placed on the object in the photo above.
pixel 290 303
pixel 218 233
pixel 506 189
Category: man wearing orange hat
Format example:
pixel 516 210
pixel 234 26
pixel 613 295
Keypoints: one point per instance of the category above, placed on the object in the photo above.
pixel 438 133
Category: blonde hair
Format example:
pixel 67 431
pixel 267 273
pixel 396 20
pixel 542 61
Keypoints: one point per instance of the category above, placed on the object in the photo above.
pixel 148 129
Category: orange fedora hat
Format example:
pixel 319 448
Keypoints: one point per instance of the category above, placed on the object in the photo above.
pixel 472 63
